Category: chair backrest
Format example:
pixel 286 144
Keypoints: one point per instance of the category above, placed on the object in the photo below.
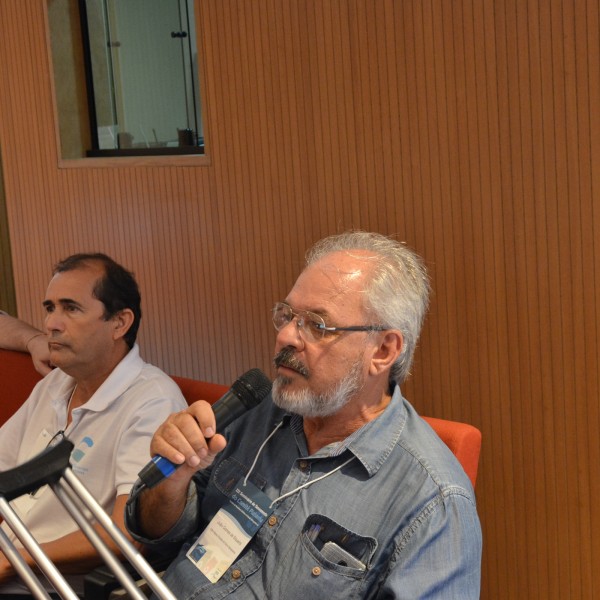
pixel 195 389
pixel 17 379
pixel 463 440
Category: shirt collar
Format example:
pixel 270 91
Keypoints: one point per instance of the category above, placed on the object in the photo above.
pixel 374 441
pixel 120 379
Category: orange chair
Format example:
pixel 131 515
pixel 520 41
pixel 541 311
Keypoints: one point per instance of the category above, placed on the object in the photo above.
pixel 464 440
pixel 17 379
pixel 196 389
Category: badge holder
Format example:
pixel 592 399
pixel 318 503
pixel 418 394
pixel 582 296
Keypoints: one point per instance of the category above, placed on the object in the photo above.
pixel 52 467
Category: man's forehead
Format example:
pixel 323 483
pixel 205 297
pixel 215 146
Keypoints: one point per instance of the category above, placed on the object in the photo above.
pixel 337 277
pixel 78 282
pixel 345 267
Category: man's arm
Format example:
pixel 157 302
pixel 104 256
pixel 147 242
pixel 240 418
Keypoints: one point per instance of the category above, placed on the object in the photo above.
pixel 18 335
pixel 186 438
pixel 439 554
pixel 73 553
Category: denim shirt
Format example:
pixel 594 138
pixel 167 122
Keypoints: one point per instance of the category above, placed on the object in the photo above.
pixel 403 508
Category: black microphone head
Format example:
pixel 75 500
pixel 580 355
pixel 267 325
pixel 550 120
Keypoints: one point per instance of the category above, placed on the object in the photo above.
pixel 252 387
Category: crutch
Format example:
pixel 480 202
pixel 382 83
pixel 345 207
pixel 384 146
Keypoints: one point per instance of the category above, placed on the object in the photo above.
pixel 52 467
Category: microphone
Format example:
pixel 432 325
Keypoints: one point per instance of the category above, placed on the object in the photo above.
pixel 248 391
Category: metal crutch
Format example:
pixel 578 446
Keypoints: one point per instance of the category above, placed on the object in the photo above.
pixel 52 467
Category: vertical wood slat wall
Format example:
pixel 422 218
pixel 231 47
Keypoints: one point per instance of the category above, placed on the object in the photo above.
pixel 469 128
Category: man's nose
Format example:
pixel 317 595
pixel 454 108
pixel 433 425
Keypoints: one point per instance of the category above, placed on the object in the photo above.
pixel 54 321
pixel 289 335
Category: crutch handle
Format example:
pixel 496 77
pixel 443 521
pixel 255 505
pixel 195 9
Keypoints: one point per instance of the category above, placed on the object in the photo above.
pixel 44 468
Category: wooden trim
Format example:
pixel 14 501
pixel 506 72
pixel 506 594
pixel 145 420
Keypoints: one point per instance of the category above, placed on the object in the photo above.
pixel 166 160
pixel 135 161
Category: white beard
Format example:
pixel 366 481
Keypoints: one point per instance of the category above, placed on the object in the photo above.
pixel 308 404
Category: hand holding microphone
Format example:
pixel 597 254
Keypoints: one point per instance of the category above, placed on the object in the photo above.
pixel 247 391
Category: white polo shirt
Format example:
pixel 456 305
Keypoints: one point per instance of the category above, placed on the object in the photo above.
pixel 111 433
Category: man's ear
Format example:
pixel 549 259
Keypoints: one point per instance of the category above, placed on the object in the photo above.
pixel 122 321
pixel 387 352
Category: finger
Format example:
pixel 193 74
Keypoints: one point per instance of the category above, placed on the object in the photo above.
pixel 204 416
pixel 177 439
pixel 42 367
pixel 216 444
pixel 183 436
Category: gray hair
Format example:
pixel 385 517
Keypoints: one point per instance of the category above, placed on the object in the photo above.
pixel 397 291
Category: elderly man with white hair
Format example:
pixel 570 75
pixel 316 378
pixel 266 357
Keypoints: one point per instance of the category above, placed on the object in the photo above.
pixel 334 487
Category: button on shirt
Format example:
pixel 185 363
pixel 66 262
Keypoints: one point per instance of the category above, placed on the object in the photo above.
pixel 398 521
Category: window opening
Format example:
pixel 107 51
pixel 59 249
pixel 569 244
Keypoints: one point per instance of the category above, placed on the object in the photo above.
pixel 141 67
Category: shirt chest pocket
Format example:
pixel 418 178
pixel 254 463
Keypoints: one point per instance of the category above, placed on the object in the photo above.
pixel 325 561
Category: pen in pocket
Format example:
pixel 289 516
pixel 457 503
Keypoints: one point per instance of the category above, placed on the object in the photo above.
pixel 313 532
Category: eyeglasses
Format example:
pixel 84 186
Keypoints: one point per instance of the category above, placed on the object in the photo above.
pixel 56 438
pixel 311 325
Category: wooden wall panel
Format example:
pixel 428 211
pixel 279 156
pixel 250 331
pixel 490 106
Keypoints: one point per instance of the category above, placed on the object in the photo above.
pixel 469 129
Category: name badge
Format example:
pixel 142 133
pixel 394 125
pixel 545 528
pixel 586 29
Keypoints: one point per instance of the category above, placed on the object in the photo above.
pixel 230 530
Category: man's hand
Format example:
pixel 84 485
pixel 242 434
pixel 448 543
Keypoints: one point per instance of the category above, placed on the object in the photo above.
pixel 18 335
pixel 40 354
pixel 188 438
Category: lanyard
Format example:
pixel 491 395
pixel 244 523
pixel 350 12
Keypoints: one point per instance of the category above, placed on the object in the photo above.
pixel 300 487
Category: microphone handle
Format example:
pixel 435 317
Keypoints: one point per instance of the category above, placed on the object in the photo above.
pixel 156 470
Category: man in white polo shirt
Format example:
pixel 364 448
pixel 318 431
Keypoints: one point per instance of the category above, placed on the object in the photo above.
pixel 102 396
